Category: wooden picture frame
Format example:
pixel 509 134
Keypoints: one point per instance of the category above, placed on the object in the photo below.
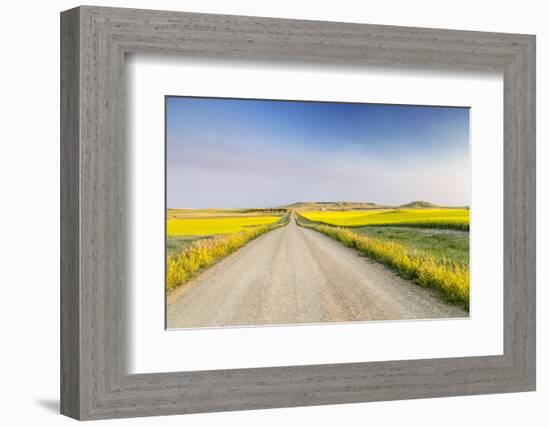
pixel 94 382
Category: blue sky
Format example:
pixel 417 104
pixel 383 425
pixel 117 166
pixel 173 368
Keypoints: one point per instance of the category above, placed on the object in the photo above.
pixel 255 153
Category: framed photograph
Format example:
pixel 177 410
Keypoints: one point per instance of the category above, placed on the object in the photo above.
pixel 262 213
pixel 237 169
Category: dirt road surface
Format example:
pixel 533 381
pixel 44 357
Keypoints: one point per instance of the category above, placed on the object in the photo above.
pixel 294 275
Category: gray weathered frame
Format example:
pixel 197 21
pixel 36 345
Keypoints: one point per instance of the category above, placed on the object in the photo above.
pixel 94 41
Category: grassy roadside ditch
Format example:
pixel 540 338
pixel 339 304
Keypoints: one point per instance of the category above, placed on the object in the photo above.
pixel 450 278
pixel 201 254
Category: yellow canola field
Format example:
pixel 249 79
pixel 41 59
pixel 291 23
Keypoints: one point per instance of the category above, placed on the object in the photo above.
pixel 437 218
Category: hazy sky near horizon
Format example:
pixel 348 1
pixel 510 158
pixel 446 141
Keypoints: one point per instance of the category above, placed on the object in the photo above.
pixel 256 153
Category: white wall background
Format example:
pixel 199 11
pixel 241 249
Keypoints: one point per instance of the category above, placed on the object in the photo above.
pixel 29 224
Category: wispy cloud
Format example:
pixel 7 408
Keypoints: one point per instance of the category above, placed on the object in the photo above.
pixel 226 159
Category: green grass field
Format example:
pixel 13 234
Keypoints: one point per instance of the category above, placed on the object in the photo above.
pixel 458 219
pixel 176 244
pixel 449 244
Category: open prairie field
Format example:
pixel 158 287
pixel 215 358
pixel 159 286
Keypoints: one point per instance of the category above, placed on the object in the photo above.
pixel 452 245
pixel 448 218
pixel 217 213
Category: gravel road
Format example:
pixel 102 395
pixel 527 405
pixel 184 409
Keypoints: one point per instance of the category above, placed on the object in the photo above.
pixel 296 275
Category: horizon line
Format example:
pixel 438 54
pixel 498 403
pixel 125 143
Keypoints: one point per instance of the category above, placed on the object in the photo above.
pixel 325 202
